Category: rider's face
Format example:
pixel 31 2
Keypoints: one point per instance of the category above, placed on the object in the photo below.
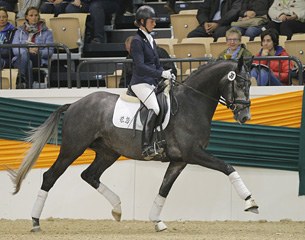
pixel 150 24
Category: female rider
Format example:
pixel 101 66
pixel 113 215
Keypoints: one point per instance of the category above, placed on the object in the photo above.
pixel 146 74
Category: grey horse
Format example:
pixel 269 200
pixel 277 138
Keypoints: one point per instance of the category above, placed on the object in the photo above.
pixel 87 123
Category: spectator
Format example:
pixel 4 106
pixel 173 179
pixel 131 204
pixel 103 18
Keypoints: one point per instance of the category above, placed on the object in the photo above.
pixel 127 69
pixel 99 10
pixel 55 7
pixel 9 5
pixel 288 17
pixel 276 72
pixel 215 17
pixel 33 31
pixel 7 31
pixel 235 48
pixel 251 9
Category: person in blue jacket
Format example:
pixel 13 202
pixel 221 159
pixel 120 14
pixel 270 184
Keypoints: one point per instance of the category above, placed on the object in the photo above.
pixel 33 31
pixel 147 72
pixel 7 31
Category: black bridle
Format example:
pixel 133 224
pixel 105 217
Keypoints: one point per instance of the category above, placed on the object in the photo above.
pixel 229 103
pixel 232 102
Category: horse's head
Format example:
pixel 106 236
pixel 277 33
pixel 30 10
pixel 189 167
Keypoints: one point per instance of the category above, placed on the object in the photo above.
pixel 235 91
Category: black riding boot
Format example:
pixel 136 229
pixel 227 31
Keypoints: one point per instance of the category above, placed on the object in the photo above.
pixel 149 149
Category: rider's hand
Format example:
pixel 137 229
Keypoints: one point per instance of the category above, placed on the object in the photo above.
pixel 167 74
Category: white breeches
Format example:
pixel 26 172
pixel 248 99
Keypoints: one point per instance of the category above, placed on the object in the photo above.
pixel 146 94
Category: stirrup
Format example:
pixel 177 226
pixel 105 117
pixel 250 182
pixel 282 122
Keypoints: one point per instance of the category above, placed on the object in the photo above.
pixel 150 152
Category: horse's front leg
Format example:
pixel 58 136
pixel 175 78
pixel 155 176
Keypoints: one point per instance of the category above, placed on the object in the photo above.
pixel 202 158
pixel 172 172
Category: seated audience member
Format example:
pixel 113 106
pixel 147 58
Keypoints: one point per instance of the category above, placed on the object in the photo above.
pixel 99 10
pixel 25 5
pixel 251 9
pixel 287 17
pixel 274 72
pixel 55 7
pixel 235 49
pixel 7 31
pixel 215 18
pixel 33 31
pixel 9 5
pixel 127 69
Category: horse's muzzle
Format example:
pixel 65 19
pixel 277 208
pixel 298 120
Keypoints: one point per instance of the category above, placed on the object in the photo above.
pixel 242 115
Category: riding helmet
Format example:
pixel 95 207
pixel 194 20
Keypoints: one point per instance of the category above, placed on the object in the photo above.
pixel 144 12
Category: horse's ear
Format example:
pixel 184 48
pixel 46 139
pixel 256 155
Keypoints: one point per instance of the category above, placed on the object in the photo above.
pixel 240 63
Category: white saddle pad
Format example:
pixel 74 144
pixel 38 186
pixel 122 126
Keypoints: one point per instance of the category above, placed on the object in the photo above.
pixel 125 112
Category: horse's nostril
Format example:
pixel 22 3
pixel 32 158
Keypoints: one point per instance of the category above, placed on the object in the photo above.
pixel 245 119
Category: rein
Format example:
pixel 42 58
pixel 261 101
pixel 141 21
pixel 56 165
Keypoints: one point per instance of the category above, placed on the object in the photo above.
pixel 221 100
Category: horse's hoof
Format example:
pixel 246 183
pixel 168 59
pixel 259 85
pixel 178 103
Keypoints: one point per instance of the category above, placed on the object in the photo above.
pixel 117 215
pixel 253 210
pixel 251 206
pixel 160 226
pixel 36 229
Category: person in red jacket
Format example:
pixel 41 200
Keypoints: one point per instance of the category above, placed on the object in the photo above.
pixel 271 72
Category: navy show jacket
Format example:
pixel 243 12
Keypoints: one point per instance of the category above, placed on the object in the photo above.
pixel 146 63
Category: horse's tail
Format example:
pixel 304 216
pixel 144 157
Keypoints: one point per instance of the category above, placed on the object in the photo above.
pixel 38 137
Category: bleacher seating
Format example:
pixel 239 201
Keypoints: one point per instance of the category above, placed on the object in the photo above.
pixel 46 17
pixel 254 46
pixel 298 36
pixel 7 74
pixel 188 50
pixel 217 47
pixel 182 24
pixel 205 41
pixel 11 17
pixel 167 44
pixel 82 18
pixel 66 30
pixel 296 48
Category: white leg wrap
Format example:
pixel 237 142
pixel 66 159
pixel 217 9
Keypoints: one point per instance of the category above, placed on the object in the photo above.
pixel 39 204
pixel 110 196
pixel 156 208
pixel 239 185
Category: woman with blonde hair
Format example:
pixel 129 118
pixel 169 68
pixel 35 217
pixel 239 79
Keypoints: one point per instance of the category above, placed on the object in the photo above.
pixel 236 48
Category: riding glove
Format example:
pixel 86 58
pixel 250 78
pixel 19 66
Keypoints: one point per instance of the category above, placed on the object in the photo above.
pixel 167 74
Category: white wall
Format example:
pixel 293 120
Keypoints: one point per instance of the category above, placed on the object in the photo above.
pixel 198 194
pixel 63 95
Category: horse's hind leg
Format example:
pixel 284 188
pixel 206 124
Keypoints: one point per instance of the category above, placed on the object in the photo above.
pixel 205 159
pixel 173 171
pixel 103 160
pixel 65 158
